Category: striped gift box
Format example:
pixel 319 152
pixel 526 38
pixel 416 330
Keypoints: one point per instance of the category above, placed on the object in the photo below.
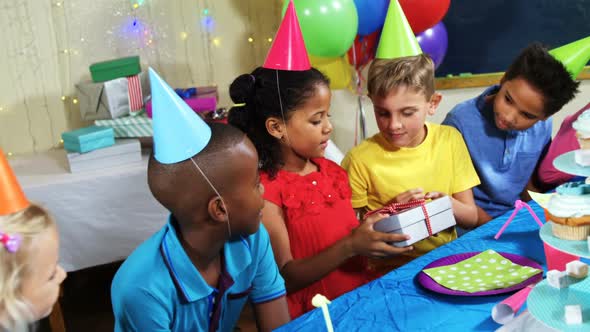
pixel 129 126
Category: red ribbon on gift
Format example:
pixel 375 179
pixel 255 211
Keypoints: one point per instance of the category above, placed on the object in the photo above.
pixel 395 208
pixel 135 94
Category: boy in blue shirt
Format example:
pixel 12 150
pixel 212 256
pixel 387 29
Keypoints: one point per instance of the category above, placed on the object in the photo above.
pixel 508 127
pixel 199 270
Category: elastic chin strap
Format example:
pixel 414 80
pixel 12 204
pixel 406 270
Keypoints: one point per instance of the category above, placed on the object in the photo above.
pixel 281 105
pixel 216 192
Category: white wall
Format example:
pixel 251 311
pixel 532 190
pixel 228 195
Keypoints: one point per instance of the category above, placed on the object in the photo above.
pixel 47 46
pixel 345 111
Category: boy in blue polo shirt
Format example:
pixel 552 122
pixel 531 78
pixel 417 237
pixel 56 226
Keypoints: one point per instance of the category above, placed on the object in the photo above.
pixel 508 127
pixel 199 270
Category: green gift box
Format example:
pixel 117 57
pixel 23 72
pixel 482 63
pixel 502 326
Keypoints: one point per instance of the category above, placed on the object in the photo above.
pixel 129 126
pixel 113 69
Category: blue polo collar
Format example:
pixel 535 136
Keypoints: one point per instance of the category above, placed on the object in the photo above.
pixel 487 109
pixel 188 280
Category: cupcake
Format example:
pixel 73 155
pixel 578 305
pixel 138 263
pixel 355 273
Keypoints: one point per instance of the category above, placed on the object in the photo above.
pixel 569 211
pixel 582 127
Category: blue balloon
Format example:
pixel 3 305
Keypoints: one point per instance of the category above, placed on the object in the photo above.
pixel 371 15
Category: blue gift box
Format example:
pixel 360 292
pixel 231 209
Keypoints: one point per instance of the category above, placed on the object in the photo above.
pixel 88 139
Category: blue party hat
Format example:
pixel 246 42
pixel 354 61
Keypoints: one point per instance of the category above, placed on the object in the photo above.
pixel 179 133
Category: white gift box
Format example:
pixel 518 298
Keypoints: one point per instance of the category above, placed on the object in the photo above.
pixel 413 223
pixel 125 151
pixel 108 100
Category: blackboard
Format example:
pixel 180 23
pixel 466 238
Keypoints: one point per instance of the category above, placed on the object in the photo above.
pixel 486 35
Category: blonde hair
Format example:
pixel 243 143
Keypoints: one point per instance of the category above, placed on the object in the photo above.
pixel 15 312
pixel 415 72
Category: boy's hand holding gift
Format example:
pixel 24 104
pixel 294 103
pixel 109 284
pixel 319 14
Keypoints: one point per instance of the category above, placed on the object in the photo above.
pixel 415 195
pixel 409 195
pixel 434 195
pixel 418 218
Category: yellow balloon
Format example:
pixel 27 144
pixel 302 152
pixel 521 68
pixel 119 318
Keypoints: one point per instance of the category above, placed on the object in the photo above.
pixel 337 69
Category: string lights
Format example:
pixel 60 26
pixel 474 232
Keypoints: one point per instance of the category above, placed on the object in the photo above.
pixel 133 30
pixel 140 34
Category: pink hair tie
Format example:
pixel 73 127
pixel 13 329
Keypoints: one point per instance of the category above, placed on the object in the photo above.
pixel 10 242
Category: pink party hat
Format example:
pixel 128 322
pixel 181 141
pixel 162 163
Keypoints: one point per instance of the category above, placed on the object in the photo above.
pixel 288 51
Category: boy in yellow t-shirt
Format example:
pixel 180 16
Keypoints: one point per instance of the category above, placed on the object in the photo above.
pixel 409 158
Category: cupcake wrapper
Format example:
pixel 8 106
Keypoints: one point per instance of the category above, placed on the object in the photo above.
pixel 584 142
pixel 570 232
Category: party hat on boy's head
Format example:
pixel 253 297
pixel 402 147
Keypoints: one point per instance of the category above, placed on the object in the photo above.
pixel 288 51
pixel 397 38
pixel 179 133
pixel 12 198
pixel 574 56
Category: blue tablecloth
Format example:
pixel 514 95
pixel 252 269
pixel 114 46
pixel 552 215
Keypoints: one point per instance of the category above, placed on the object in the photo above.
pixel 396 302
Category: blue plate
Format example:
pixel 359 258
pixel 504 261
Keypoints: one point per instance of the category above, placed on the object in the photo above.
pixel 567 163
pixel 547 303
pixel 577 248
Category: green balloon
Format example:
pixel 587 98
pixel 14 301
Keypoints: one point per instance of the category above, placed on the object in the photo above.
pixel 328 26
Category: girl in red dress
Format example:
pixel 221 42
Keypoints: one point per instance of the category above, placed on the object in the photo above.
pixel 317 240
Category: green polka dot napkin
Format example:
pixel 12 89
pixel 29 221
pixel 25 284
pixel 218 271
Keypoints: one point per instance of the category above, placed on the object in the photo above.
pixel 482 272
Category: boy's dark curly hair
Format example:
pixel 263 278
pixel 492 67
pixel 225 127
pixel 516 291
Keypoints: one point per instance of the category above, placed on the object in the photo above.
pixel 259 92
pixel 546 74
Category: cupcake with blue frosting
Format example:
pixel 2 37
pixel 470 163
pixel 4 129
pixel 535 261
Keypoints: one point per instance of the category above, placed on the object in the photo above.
pixel 569 211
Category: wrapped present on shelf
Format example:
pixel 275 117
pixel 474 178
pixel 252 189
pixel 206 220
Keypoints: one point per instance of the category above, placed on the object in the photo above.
pixel 417 219
pixel 200 99
pixel 199 91
pixel 114 98
pixel 125 151
pixel 88 139
pixel 129 126
pixel 116 68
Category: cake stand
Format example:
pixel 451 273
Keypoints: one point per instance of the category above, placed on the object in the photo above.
pixel 567 164
pixel 572 247
pixel 547 303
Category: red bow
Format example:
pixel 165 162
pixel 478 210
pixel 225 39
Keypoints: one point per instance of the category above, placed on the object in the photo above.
pixel 395 208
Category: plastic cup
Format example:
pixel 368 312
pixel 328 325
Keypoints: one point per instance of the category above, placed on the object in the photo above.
pixel 556 259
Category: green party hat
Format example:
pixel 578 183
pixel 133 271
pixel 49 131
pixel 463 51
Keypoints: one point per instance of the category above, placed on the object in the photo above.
pixel 397 38
pixel 574 56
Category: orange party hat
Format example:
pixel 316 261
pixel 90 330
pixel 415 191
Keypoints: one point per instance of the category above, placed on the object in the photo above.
pixel 12 198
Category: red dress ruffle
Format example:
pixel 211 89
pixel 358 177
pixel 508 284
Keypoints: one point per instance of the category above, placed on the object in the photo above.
pixel 318 212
